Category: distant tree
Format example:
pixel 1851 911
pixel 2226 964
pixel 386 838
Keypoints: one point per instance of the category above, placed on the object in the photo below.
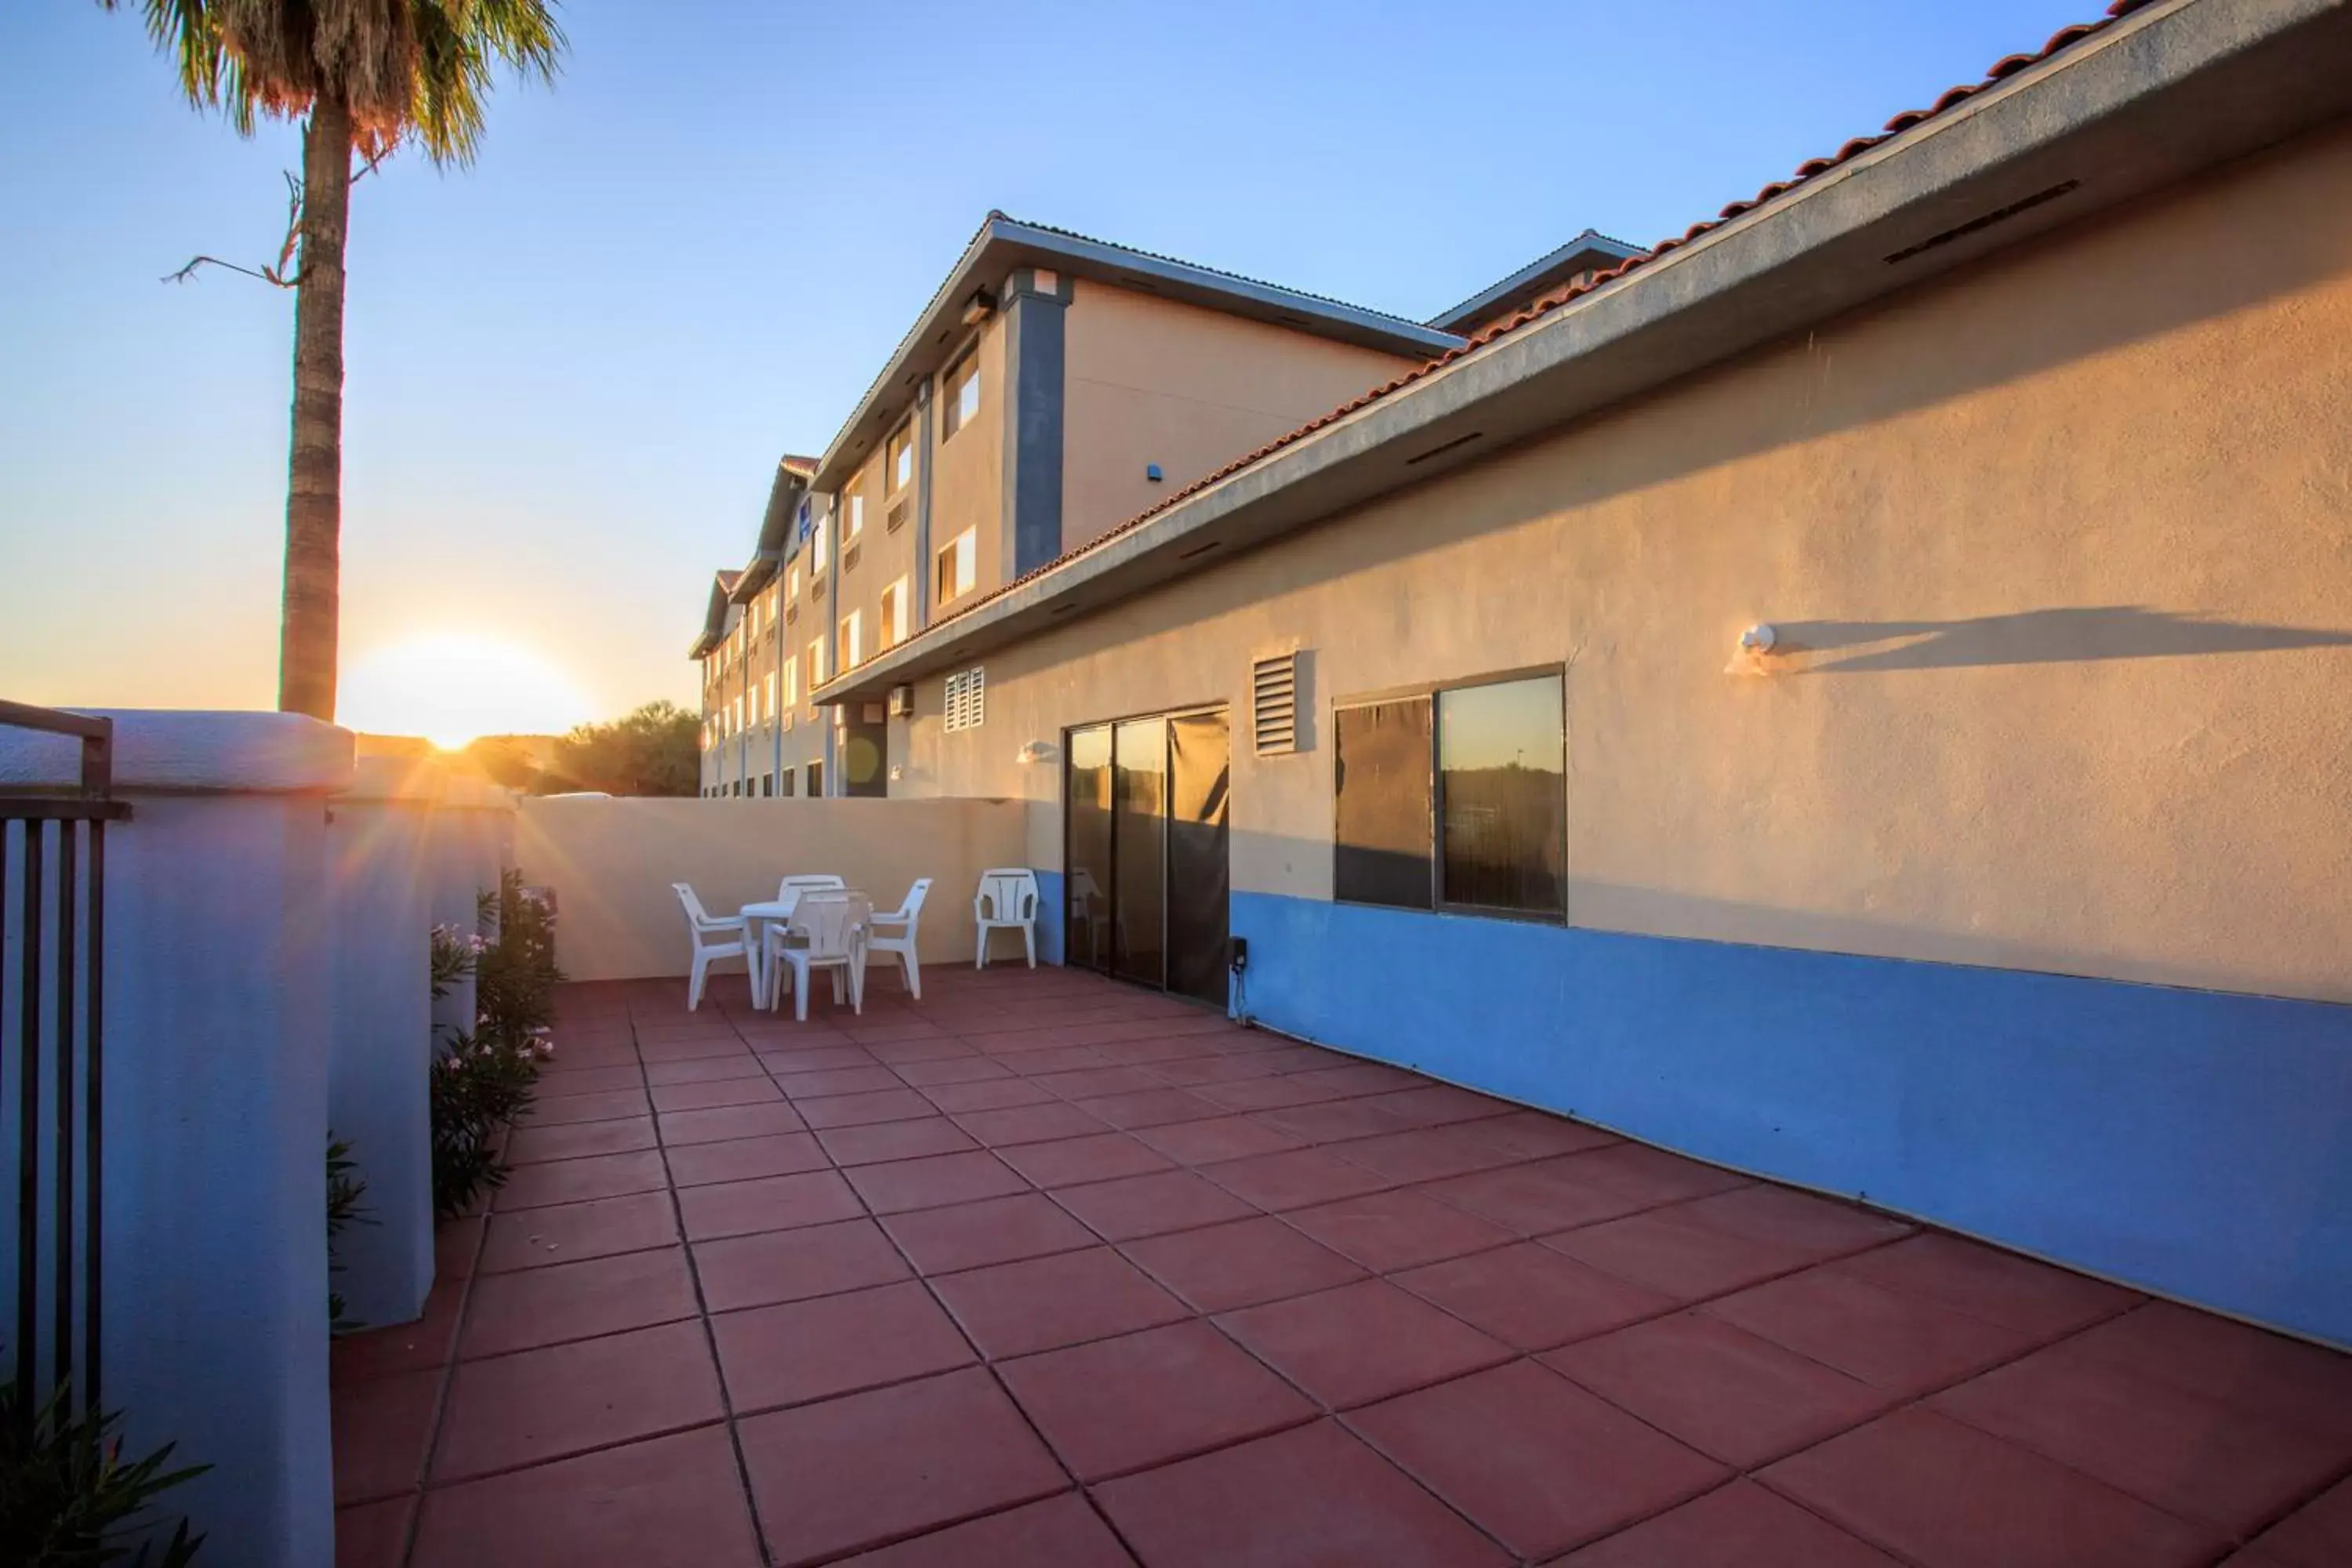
pixel 657 750
pixel 363 76
pixel 509 760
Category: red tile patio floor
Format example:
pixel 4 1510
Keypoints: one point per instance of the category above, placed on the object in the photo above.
pixel 1048 1270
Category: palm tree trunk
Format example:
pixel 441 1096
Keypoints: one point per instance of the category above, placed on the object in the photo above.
pixel 314 502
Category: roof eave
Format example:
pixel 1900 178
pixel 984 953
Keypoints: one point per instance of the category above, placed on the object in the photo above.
pixel 2175 89
pixel 1482 305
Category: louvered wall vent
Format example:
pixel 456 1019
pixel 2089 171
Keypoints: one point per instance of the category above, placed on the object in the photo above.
pixel 967 698
pixel 1274 704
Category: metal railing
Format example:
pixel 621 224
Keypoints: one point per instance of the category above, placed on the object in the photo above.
pixel 52 943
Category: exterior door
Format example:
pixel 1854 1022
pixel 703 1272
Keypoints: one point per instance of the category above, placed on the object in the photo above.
pixel 1146 851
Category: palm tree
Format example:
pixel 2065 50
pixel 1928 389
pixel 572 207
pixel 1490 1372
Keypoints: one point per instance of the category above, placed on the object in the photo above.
pixel 363 76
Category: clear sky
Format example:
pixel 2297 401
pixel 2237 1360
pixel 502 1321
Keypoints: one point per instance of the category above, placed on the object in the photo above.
pixel 571 369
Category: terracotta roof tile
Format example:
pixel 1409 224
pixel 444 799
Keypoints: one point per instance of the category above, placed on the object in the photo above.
pixel 2008 65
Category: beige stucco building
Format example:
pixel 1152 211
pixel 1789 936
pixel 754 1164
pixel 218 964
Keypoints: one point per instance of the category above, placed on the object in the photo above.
pixel 1860 691
pixel 1053 387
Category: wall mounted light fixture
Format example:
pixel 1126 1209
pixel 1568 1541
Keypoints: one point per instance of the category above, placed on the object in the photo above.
pixel 1036 751
pixel 1753 652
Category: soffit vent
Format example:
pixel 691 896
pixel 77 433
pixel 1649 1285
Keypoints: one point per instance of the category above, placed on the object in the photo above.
pixel 1274 704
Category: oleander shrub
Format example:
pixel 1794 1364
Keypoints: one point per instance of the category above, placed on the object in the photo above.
pixel 482 1078
pixel 69 1499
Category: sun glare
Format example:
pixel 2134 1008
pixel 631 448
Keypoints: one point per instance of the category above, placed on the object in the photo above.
pixel 454 687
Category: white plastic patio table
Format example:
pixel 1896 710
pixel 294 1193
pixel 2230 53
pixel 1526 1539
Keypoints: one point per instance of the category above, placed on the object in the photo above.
pixel 755 941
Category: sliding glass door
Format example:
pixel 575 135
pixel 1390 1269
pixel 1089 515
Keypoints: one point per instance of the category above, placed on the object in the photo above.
pixel 1145 846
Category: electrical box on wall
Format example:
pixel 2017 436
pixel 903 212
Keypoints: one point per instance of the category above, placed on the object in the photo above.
pixel 902 702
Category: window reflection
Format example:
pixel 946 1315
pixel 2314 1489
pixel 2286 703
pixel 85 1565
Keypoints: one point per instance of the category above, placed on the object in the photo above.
pixel 1503 785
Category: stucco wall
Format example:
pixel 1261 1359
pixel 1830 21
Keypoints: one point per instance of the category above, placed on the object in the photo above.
pixel 1154 381
pixel 2059 542
pixel 610 863
pixel 968 470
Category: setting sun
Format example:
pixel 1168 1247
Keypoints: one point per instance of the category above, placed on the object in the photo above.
pixel 451 688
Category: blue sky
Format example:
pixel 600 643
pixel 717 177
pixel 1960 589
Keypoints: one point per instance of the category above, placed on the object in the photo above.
pixel 571 369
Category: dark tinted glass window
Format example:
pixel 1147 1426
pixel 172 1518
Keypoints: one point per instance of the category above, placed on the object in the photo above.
pixel 1088 882
pixel 1503 780
pixel 1380 779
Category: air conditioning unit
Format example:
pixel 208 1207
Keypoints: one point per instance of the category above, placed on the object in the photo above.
pixel 902 702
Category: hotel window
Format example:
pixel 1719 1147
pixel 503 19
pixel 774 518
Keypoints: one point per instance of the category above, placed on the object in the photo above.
pixel 817 547
pixel 735 720
pixel 893 629
pixel 815 666
pixel 815 778
pixel 793 583
pixel 899 469
pixel 958 566
pixel 853 522
pixel 852 652
pixel 771 696
pixel 1455 800
pixel 963 385
pixel 791 674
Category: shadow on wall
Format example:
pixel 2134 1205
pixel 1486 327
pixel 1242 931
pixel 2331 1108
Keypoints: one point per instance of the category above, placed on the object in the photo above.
pixel 2076 636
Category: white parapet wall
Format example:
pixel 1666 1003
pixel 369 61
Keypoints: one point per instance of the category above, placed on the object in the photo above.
pixel 220 963
pixel 612 861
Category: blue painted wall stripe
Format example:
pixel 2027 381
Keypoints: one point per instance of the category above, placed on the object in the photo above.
pixel 2196 1143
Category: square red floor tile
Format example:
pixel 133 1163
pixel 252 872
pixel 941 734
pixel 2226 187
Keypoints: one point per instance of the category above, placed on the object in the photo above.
pixel 1895 1342
pixel 566 1233
pixel 1146 1398
pixel 919 1049
pixel 1941 1493
pixel 724 1121
pixel 1190 1073
pixel 578 1181
pixel 1722 1391
pixel 1072 1161
pixel 667 1502
pixel 1687 1261
pixel 1539 1134
pixel 799 1350
pixel 708 1069
pixel 1539 1463
pixel 2317 1535
pixel 1736 1526
pixel 794 1265
pixel 373 1534
pixel 1531 1298
pixel 1364 1077
pixel 993 1230
pixel 400 1347
pixel 1361 1341
pixel 1241 1264
pixel 1265 1093
pixel 1149 1108
pixel 1313 1495
pixel 788 1062
pixel 1060 1533
pixel 861 1109
pixel 611 1105
pixel 1822 1227
pixel 535 1306
pixel 2165 1446
pixel 928 1182
pixel 1437 1104
pixel 555 1082
pixel 456 1244
pixel 746 1159
pixel 952 1069
pixel 1397 1230
pixel 1039 1124
pixel 1217 1138
pixel 542 1404
pixel 1294 1179
pixel 382 1427
pixel 714 1092
pixel 767 1203
pixel 832 1081
pixel 2266 1374
pixel 1334 1121
pixel 529 1145
pixel 994 1094
pixel 1534 1198
pixel 869 1468
pixel 1653 1175
pixel 1087 1082
pixel 1426 1153
pixel 879 1141
pixel 1044 1303
pixel 1150 1205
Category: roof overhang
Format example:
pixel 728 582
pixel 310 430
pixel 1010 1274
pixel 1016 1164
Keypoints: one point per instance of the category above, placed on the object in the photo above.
pixel 1004 246
pixel 714 615
pixel 1591 251
pixel 775 529
pixel 2175 89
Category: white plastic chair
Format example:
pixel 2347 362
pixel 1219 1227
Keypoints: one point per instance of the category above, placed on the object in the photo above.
pixel 1007 900
pixel 832 926
pixel 792 886
pixel 702 928
pixel 899 935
